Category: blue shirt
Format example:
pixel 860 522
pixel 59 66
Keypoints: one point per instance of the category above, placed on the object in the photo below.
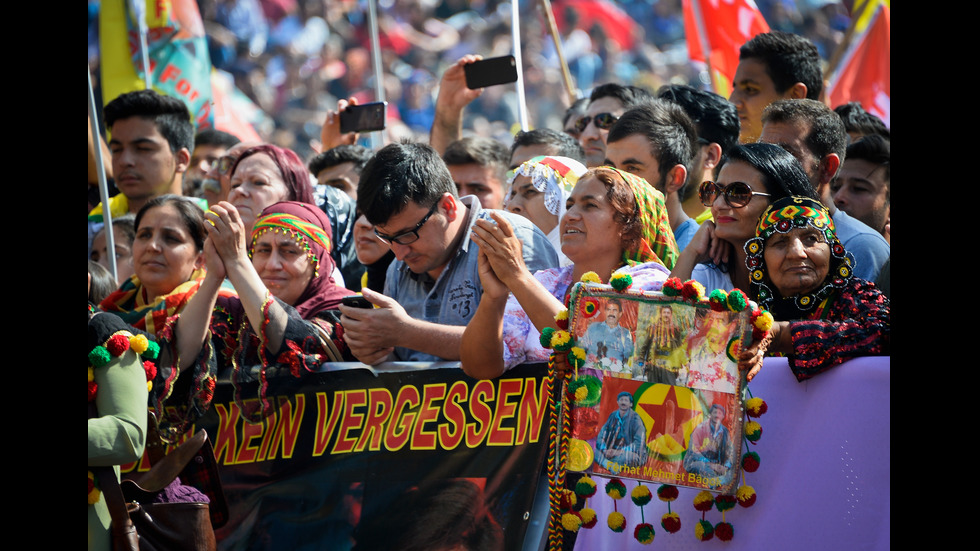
pixel 870 249
pixel 618 341
pixel 453 297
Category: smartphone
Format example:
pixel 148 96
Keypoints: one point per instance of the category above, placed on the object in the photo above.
pixel 363 118
pixel 490 72
pixel 356 301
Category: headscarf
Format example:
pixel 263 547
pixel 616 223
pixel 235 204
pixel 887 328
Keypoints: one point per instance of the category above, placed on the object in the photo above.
pixel 128 303
pixel 294 173
pixel 310 227
pixel 656 239
pixel 552 175
pixel 784 215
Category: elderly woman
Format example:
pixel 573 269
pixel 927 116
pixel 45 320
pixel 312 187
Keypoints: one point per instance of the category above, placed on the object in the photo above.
pixel 266 174
pixel 282 323
pixel 614 222
pixel 168 264
pixel 802 274
pixel 538 191
pixel 752 177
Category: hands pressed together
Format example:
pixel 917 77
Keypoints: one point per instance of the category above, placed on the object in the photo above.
pixel 501 259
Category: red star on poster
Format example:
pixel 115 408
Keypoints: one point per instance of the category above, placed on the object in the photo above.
pixel 668 411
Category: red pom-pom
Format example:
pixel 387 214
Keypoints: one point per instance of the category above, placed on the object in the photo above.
pixel 667 492
pixel 117 344
pixel 671 522
pixel 750 462
pixel 724 531
pixel 150 369
pixel 93 388
pixel 725 502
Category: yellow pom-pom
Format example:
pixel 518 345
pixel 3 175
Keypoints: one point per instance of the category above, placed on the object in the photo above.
pixel 581 393
pixel 588 517
pixel 571 521
pixel 745 495
pixel 764 321
pixel 149 386
pixel 698 288
pixel 579 352
pixel 563 315
pixel 590 277
pixel 616 521
pixel 138 343
pixel 91 375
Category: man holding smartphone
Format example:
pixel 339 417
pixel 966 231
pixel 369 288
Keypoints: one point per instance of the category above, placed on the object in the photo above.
pixel 433 286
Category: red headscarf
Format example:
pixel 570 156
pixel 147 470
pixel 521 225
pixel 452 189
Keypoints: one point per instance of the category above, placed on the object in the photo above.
pixel 294 173
pixel 310 227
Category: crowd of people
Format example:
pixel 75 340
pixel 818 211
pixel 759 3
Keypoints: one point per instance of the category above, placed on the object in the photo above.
pixel 235 257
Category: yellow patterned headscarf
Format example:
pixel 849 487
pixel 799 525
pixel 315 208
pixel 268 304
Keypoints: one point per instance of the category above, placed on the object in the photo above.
pixel 657 242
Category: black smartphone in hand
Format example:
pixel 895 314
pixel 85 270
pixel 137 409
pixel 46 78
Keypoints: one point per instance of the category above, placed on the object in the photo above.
pixel 356 301
pixel 363 118
pixel 490 72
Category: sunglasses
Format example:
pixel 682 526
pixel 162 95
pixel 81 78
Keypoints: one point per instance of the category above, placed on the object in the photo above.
pixel 407 237
pixel 603 121
pixel 223 164
pixel 737 194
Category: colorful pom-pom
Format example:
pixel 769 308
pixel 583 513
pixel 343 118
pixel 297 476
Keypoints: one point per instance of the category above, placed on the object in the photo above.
pixel 99 356
pixel 561 341
pixel 692 290
pixel 139 343
pixel 91 374
pixel 571 521
pixel 725 502
pixel 588 516
pixel 93 389
pixel 763 321
pixel 561 319
pixel 753 431
pixel 117 344
pixel 746 496
pixel 585 487
pixel 621 281
pixel 704 530
pixel 750 462
pixel 644 533
pixel 546 335
pixel 616 521
pixel 667 492
pixel 567 500
pixel 724 531
pixel 718 299
pixel 671 522
pixel 576 357
pixel 672 287
pixel 590 277
pixel 641 495
pixel 152 350
pixel 615 488
pixel 756 407
pixel 737 301
pixel 704 501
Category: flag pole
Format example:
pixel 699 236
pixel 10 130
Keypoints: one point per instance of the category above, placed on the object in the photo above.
pixel 138 9
pixel 566 74
pixel 110 238
pixel 515 32
pixel 379 88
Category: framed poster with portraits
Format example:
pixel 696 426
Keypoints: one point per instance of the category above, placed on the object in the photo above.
pixel 657 390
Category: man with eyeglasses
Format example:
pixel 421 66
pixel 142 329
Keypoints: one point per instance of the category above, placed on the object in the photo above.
pixel 606 103
pixel 816 136
pixel 217 182
pixel 433 287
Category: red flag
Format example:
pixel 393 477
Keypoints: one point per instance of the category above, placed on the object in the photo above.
pixel 864 74
pixel 721 28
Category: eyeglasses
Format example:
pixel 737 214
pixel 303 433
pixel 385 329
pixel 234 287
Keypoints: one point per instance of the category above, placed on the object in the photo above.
pixel 407 237
pixel 223 164
pixel 603 121
pixel 737 194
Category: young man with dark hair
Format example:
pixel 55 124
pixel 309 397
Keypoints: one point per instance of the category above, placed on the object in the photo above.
pixel 433 287
pixel 862 187
pixel 859 123
pixel 479 167
pixel 606 103
pixel 716 122
pixel 209 145
pixel 772 66
pixel 544 141
pixel 656 141
pixel 340 167
pixel 815 135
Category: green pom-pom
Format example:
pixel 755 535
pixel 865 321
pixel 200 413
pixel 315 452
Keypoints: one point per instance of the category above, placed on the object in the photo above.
pixel 641 495
pixel 644 533
pixel 585 487
pixel 621 282
pixel 615 488
pixel 152 351
pixel 737 301
pixel 703 530
pixel 546 337
pixel 99 356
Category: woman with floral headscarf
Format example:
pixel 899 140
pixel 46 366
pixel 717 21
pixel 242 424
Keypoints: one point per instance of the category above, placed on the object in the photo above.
pixel 538 191
pixel 615 223
pixel 802 274
pixel 283 322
